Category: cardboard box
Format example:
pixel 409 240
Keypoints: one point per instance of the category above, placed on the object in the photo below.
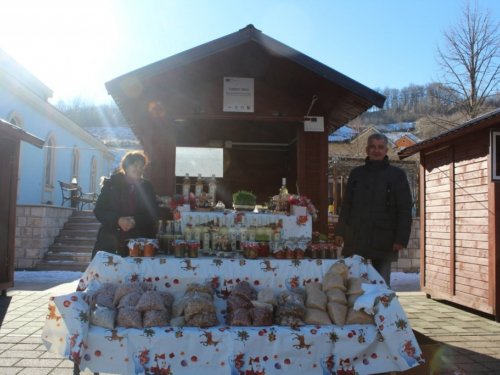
pixel 430 349
pixel 298 211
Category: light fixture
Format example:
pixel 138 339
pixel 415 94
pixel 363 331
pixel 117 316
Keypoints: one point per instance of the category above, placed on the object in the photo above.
pixel 216 143
pixel 74 181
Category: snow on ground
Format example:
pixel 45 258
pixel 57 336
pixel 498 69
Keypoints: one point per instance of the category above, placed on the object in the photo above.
pixel 46 276
pixel 400 281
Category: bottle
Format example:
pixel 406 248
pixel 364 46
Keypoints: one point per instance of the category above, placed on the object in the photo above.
pixel 259 231
pixel 223 231
pixel 197 231
pixel 232 233
pixel 268 230
pixel 188 231
pixel 214 232
pixel 206 234
pixel 169 236
pixel 212 187
pixel 186 187
pixel 177 230
pixel 251 232
pixel 198 187
pixel 242 234
pixel 277 230
pixel 159 237
pixel 284 196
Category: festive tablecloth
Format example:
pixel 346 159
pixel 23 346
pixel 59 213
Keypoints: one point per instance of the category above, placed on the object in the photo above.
pixel 290 225
pixel 390 345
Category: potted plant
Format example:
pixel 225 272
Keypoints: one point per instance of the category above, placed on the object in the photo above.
pixel 244 200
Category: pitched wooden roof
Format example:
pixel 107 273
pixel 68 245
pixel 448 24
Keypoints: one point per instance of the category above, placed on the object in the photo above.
pixel 245 53
pixel 475 124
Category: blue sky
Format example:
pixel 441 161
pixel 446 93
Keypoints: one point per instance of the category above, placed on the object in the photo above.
pixel 75 46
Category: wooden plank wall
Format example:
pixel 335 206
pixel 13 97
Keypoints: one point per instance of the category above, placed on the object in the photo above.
pixel 456 222
pixel 471 224
pixel 437 220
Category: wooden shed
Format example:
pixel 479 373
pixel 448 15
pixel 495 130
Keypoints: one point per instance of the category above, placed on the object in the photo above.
pixel 10 144
pixel 459 200
pixel 179 102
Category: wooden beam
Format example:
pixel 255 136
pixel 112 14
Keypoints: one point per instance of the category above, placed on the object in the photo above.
pixel 422 221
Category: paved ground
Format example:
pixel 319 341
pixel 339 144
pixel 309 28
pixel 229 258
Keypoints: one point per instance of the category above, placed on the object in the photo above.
pixel 471 341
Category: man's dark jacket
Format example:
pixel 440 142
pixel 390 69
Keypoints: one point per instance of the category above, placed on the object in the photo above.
pixel 376 211
pixel 113 203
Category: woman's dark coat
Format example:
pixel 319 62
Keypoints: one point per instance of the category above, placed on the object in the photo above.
pixel 376 211
pixel 113 203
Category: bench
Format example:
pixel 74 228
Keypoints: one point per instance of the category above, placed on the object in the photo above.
pixel 75 195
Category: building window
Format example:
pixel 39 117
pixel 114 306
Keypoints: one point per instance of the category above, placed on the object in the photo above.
pixel 75 164
pixel 194 160
pixel 93 175
pixel 50 161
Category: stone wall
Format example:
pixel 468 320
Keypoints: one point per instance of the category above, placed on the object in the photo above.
pixel 36 228
pixel 409 258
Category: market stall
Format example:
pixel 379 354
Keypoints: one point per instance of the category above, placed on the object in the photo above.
pixel 387 345
pixel 291 103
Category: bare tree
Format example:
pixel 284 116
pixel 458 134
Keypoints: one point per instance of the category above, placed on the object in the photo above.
pixel 469 61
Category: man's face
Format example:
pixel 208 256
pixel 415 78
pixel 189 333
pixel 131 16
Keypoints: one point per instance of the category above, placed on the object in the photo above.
pixel 376 149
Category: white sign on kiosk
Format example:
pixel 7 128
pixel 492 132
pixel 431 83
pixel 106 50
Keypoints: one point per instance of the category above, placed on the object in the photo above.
pixel 238 94
pixel 314 124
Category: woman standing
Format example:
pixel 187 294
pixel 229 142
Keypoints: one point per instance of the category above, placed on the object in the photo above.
pixel 126 207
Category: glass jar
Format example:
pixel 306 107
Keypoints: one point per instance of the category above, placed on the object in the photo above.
pixel 263 249
pixel 299 253
pixel 179 250
pixel 279 254
pixel 193 251
pixel 149 250
pixel 289 253
pixel 134 250
pixel 253 252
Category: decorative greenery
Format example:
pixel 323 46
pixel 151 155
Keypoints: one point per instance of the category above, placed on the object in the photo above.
pixel 243 197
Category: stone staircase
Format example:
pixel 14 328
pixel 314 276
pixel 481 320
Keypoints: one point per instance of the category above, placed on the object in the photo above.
pixel 72 249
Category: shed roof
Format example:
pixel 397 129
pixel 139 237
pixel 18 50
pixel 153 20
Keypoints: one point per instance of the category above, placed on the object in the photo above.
pixel 8 130
pixel 247 52
pixel 475 124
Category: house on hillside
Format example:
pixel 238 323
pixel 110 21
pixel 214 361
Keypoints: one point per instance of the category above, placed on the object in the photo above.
pixel 402 140
pixel 68 151
pixel 460 189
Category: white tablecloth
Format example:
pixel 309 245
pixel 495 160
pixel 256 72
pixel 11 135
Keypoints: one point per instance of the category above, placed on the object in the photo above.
pixel 353 349
pixel 290 225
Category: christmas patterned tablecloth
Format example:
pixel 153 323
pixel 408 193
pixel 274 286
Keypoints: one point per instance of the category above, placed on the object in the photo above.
pixel 389 345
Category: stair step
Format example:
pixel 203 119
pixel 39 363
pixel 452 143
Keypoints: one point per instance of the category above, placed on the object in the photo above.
pixel 82 219
pixel 68 257
pixel 62 266
pixel 91 233
pixel 61 248
pixel 82 226
pixel 83 213
pixel 75 241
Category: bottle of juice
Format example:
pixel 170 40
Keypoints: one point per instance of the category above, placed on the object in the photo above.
pixel 232 233
pixel 186 187
pixel 188 231
pixel 206 234
pixel 212 187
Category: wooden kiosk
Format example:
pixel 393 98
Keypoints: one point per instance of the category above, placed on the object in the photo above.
pixel 179 101
pixel 10 144
pixel 460 196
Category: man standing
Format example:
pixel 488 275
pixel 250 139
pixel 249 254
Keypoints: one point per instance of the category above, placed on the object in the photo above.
pixel 375 216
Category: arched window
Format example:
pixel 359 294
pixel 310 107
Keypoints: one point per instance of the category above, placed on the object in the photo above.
pixel 93 175
pixel 75 164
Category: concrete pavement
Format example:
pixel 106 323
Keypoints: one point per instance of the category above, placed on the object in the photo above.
pixel 471 341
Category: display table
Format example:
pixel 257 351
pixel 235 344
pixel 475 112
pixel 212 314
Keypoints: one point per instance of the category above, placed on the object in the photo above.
pixel 290 225
pixel 390 345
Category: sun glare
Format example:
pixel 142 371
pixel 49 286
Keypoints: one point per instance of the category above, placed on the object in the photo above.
pixel 62 42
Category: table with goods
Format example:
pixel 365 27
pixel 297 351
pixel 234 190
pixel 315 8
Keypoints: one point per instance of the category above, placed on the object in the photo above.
pixel 166 315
